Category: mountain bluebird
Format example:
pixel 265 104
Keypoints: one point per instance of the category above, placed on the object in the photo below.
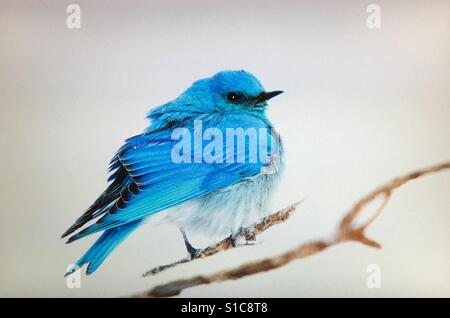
pixel 210 159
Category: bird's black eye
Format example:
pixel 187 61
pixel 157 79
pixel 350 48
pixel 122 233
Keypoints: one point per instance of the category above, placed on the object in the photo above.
pixel 234 97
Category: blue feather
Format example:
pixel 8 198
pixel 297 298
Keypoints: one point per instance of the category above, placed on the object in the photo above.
pixel 104 245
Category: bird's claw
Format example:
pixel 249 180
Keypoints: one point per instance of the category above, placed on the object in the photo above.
pixel 193 253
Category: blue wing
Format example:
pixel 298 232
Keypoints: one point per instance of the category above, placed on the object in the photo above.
pixel 150 181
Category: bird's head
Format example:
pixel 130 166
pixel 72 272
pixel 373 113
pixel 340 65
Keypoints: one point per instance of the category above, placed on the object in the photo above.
pixel 226 91
pixel 239 91
pixel 230 91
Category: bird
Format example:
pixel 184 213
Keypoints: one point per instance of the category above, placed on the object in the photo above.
pixel 215 187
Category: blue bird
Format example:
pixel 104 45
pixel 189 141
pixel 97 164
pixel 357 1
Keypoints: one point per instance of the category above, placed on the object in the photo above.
pixel 210 159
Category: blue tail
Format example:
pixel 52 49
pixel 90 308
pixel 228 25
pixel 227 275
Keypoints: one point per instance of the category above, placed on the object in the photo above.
pixel 104 245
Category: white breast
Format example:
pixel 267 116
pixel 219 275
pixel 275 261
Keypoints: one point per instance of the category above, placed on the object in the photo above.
pixel 224 212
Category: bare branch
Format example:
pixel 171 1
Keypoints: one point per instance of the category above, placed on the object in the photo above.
pixel 347 232
pixel 250 233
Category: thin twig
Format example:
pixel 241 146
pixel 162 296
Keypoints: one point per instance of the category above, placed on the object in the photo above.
pixel 250 233
pixel 347 232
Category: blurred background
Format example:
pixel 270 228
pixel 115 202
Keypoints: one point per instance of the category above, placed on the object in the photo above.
pixel 361 106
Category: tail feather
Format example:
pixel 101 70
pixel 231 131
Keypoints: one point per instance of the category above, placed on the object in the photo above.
pixel 104 245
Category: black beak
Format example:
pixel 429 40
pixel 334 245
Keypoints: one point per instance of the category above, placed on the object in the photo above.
pixel 265 96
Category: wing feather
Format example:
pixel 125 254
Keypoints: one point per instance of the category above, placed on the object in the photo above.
pixel 155 182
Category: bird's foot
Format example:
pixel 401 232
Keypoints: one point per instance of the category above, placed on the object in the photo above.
pixel 193 253
pixel 244 237
pixel 237 240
